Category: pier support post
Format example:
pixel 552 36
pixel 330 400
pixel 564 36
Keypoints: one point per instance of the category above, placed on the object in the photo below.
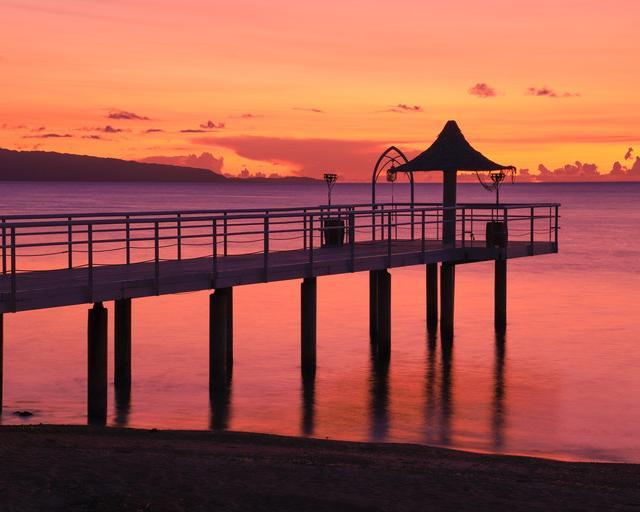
pixel 373 305
pixel 383 314
pixel 432 296
pixel 97 364
pixel 122 347
pixel 447 298
pixel 308 314
pixel 229 292
pixel 218 340
pixel 500 295
pixel 1 360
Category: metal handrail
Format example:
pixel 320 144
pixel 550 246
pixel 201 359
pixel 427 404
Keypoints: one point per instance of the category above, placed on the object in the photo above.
pixel 267 230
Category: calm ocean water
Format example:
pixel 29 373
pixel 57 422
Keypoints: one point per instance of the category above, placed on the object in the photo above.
pixel 565 383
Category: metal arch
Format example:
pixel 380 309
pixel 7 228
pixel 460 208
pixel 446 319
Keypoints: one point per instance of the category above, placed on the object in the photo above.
pixel 381 164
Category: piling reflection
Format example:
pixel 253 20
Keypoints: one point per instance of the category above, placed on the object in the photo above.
pixel 498 417
pixel 220 404
pixel 379 397
pixel 122 398
pixel 308 403
pixel 439 391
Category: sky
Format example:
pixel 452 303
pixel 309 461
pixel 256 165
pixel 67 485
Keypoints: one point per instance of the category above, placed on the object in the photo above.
pixel 294 87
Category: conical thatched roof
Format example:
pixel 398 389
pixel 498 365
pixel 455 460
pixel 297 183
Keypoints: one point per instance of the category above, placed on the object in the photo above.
pixel 451 152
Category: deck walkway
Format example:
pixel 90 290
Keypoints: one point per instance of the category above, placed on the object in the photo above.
pixel 65 287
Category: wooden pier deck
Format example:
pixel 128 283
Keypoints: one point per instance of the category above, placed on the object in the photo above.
pixel 65 287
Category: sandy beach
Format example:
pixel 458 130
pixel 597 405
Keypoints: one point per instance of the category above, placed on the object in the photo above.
pixel 87 468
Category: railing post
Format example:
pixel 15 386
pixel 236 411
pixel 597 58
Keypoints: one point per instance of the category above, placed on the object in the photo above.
pixel 423 242
pixel 531 228
pixel 156 237
pixel 127 240
pixel 352 240
pixel 373 222
pixel 389 239
pixel 437 224
pixel 14 298
pixel 464 232
pixel 266 248
pixel 214 243
pixel 304 229
pixel 556 229
pixel 90 259
pixel 311 244
pixel 4 247
pixel 179 236
pixel 70 243
pixel 225 233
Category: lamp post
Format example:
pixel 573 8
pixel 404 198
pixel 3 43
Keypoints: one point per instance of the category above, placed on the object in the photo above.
pixel 330 179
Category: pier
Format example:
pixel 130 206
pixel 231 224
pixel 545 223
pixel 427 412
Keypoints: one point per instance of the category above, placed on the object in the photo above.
pixel 62 260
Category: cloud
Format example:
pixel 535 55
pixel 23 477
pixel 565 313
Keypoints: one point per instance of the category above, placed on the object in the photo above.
pixel 109 129
pixel 154 130
pixel 195 130
pixel 49 136
pixel 550 93
pixel 629 154
pixel 126 116
pixel 351 159
pixel 248 115
pixel 482 90
pixel 403 107
pixel 93 137
pixel 204 161
pixel 210 125
pixel 314 110
pixel 39 129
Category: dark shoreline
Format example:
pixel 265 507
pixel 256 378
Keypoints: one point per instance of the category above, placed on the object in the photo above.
pixel 92 468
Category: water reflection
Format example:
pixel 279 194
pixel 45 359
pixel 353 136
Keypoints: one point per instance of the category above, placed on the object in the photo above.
pixel 220 404
pixel 308 403
pixel 438 393
pixel 122 406
pixel 379 404
pixel 498 408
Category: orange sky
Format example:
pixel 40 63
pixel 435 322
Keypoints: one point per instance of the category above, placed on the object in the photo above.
pixel 294 86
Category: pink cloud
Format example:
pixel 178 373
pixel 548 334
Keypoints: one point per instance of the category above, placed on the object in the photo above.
pixel 352 159
pixel 204 161
pixel 482 90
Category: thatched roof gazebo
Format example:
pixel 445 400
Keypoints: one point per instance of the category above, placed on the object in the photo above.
pixel 449 153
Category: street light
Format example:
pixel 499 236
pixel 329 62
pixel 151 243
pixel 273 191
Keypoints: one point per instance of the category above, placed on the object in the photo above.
pixel 330 180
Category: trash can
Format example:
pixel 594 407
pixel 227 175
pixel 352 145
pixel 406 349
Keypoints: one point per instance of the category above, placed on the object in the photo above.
pixel 497 234
pixel 333 232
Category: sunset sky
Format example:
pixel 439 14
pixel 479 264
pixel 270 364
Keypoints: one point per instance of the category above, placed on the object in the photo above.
pixel 299 87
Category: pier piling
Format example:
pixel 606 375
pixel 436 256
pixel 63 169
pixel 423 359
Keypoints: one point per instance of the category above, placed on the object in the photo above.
pixel 218 340
pixel 1 360
pixel 383 314
pixel 122 347
pixel 308 316
pixel 447 298
pixel 373 305
pixel 97 364
pixel 229 292
pixel 432 296
pixel 500 295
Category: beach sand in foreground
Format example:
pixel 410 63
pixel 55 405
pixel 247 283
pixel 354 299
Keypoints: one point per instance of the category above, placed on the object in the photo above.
pixel 105 469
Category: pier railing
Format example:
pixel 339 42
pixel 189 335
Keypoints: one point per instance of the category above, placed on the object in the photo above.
pixel 45 242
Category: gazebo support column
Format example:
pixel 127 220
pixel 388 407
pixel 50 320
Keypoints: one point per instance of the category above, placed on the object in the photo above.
pixel 449 200
pixel 447 298
pixel 432 296
pixel 500 295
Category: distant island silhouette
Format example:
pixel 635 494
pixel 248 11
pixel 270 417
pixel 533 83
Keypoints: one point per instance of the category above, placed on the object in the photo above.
pixel 52 166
